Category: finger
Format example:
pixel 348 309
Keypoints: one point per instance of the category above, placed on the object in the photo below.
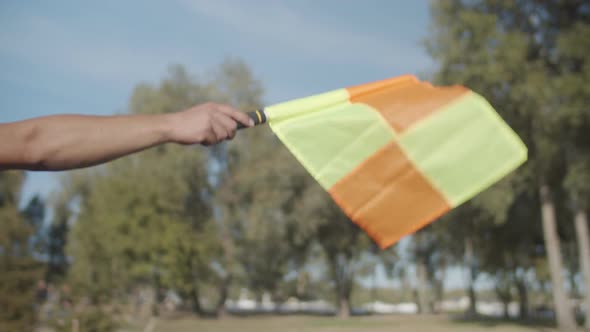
pixel 238 116
pixel 219 130
pixel 228 123
pixel 208 140
pixel 210 137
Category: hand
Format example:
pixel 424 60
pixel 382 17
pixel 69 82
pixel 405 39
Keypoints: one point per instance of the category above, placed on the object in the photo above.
pixel 206 124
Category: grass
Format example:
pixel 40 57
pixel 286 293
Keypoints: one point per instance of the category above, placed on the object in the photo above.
pixel 393 323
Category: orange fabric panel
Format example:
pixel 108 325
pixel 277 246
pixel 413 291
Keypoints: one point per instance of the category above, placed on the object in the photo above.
pixel 394 82
pixel 406 102
pixel 388 197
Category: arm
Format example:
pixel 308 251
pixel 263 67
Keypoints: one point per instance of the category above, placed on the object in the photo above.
pixel 62 142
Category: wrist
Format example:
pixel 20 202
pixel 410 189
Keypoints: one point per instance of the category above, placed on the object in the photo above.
pixel 165 127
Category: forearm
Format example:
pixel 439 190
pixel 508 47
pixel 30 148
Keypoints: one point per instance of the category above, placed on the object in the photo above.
pixel 72 141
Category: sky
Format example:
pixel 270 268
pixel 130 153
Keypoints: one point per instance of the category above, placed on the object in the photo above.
pixel 86 57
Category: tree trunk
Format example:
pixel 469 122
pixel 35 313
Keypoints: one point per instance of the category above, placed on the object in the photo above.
pixel 343 280
pixel 157 294
pixel 503 294
pixel 506 313
pixel 301 290
pixel 220 309
pixel 344 291
pixel 374 290
pixel 503 291
pixel 470 261
pixel 571 276
pixel 565 319
pixel 440 288
pixel 228 252
pixel 423 306
pixel 583 238
pixel 407 292
pixel 258 298
pixel 523 300
pixel 472 310
pixel 343 307
pixel 195 303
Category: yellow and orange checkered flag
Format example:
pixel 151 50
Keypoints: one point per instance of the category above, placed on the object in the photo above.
pixel 397 154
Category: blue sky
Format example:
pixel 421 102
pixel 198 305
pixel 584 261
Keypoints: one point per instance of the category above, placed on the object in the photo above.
pixel 85 57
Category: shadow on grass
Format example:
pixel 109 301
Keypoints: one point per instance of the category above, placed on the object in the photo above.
pixel 212 315
pixel 488 321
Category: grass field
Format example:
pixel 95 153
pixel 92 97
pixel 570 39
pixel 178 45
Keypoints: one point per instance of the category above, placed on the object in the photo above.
pixel 329 324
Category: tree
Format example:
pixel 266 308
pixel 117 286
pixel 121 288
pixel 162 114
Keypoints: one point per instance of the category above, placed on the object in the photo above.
pixel 456 236
pixel 74 188
pixel 251 204
pixel 146 217
pixel 574 97
pixel 508 252
pixel 57 239
pixel 344 245
pixel 151 218
pixel 271 236
pixel 20 270
pixel 504 50
pixel 427 255
pixel 576 179
pixel 141 223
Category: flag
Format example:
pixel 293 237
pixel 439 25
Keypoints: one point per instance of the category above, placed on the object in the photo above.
pixel 397 154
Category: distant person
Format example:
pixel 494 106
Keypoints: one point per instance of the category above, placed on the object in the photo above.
pixel 62 142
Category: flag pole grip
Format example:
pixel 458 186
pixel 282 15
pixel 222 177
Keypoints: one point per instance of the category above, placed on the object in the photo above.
pixel 258 116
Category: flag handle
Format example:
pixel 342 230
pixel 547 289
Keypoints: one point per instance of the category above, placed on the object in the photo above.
pixel 258 116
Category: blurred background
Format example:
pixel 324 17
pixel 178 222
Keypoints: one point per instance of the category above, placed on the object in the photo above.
pixel 238 237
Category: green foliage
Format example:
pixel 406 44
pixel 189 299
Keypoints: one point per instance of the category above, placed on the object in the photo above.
pixel 573 95
pixel 151 218
pixel 345 247
pixel 135 218
pixel 262 194
pixel 205 221
pixel 20 270
pixel 91 320
pixel 528 58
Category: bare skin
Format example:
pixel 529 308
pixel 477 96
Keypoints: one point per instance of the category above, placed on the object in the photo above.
pixel 64 142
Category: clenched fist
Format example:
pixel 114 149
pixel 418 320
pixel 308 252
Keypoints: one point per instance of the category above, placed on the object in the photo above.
pixel 206 124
